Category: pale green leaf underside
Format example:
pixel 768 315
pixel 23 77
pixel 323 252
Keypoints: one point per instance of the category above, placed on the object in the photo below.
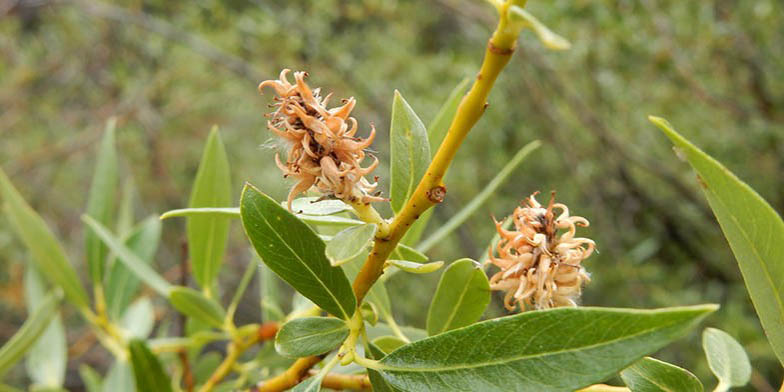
pixel 753 229
pixel 553 350
pixel 653 375
pixel 349 243
pixel 726 358
pixel 462 295
pixel 234 212
pixel 14 349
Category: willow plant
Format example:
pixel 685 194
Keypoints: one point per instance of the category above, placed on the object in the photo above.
pixel 336 250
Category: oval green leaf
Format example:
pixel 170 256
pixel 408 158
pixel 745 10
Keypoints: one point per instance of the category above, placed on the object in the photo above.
pixel 307 336
pixel 134 263
pixel 462 296
pixel 121 283
pixel 35 325
pixel 194 304
pixel 521 352
pixel 349 243
pixel 726 358
pixel 291 249
pixel 753 229
pixel 139 319
pixel 387 344
pixel 147 369
pixel 416 268
pixel 207 235
pixel 653 375
pixel 410 152
pixel 46 251
pixel 100 200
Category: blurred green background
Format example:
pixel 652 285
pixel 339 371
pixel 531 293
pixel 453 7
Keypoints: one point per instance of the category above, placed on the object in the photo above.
pixel 170 70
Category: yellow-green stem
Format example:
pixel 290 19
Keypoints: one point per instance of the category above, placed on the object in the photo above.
pixel 235 349
pixel 431 189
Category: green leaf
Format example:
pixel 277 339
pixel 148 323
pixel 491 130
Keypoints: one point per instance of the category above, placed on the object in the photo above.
pixel 121 283
pixel 473 206
pixel 120 378
pixel 318 220
pixel 90 378
pixel 139 319
pixel 47 253
pixel 550 350
pixel 224 212
pixel 35 325
pixel 349 243
pixel 653 375
pixel 753 229
pixel 100 200
pixel 462 296
pixel 307 336
pixel 147 369
pixel 269 291
pixel 194 304
pixel 291 249
pixel 410 152
pixel 726 358
pixel 46 362
pixel 207 235
pixel 387 344
pixel 376 379
pixel 369 312
pixel 314 206
pixel 550 39
pixel 382 329
pixel 440 124
pixel 134 263
pixel 416 268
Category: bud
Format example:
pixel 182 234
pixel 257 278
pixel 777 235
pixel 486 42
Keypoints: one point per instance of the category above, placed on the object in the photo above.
pixel 323 150
pixel 540 259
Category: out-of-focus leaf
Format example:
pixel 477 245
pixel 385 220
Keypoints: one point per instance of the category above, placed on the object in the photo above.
pixel 15 348
pixel 207 235
pixel 653 375
pixel 349 243
pixel 119 378
pixel 410 152
pixel 195 304
pixel 443 119
pixel 222 212
pixel 147 369
pixel 753 229
pixel 46 362
pixel 307 336
pixel 416 268
pixel 376 379
pixel 473 206
pixel 550 39
pixel 316 207
pixel 134 263
pixel 47 253
pixel 369 312
pixel 382 329
pixel 205 365
pixel 270 294
pixel 122 284
pixel 317 220
pixel 533 344
pixel 387 344
pixel 462 296
pixel 726 358
pixel 100 201
pixel 292 250
pixel 90 378
pixel 125 211
pixel 139 319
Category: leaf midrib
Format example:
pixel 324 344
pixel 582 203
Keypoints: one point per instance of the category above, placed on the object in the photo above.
pixel 454 309
pixel 311 336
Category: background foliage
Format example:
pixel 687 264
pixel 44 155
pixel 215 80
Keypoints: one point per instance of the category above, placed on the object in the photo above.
pixel 169 71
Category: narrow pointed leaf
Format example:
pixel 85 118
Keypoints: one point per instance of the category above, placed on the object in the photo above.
pixel 194 304
pixel 462 295
pixel 294 251
pixel 100 201
pixel 122 285
pixel 147 369
pixel 307 336
pixel 233 212
pixel 134 263
pixel 551 350
pixel 410 152
pixel 47 253
pixel 15 348
pixel 120 378
pixel 349 243
pixel 46 362
pixel 550 39
pixel 653 375
pixel 207 235
pixel 726 358
pixel 416 268
pixel 753 229
pixel 314 206
pixel 90 378
pixel 473 206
